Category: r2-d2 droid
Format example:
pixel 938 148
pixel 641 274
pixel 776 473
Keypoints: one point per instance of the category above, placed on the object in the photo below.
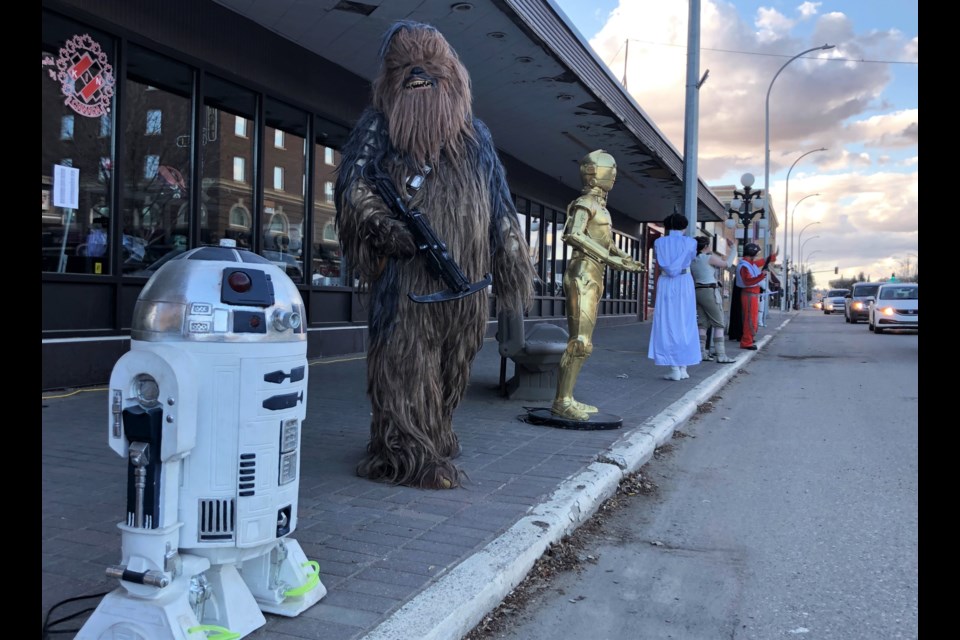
pixel 207 407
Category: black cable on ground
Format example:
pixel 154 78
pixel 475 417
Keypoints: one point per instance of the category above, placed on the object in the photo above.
pixel 47 623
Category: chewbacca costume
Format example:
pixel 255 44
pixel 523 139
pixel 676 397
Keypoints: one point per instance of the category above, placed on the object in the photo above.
pixel 421 123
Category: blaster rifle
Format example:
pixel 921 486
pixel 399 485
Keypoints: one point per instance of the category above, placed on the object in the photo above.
pixel 434 250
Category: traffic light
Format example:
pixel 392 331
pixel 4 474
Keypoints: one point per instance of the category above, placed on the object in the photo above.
pixel 836 270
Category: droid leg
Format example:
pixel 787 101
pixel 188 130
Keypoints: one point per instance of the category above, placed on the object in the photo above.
pixel 163 594
pixel 284 581
pixel 153 613
pixel 229 604
pixel 564 404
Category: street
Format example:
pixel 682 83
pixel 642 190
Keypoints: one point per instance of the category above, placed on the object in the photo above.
pixel 789 510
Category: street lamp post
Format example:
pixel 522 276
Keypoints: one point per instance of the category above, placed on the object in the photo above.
pixel 785 303
pixel 801 301
pixel 746 204
pixel 804 229
pixel 794 214
pixel 766 114
pixel 803 260
pixel 804 267
pixel 807 263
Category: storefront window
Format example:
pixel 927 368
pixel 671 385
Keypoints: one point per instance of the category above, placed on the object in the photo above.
pixel 77 94
pixel 284 202
pixel 155 187
pixel 326 242
pixel 326 268
pixel 553 267
pixel 226 158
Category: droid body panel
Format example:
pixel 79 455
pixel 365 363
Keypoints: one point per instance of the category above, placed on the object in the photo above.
pixel 208 407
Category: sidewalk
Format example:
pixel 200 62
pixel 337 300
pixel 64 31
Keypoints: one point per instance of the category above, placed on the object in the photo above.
pixel 398 563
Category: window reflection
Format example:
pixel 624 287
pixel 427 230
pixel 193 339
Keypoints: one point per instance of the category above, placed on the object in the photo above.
pixel 154 122
pixel 155 183
pixel 284 204
pixel 66 128
pixel 325 269
pixel 226 157
pixel 76 240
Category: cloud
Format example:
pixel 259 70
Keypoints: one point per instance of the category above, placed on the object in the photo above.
pixel 772 24
pixel 813 101
pixel 838 99
pixel 889 130
pixel 808 9
pixel 861 219
pixel 911 50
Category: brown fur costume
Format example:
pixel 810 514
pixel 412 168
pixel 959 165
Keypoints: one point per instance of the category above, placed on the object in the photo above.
pixel 419 356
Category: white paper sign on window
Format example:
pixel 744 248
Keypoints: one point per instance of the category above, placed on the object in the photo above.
pixel 66 187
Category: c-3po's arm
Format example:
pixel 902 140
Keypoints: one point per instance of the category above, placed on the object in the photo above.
pixel 575 235
pixel 627 258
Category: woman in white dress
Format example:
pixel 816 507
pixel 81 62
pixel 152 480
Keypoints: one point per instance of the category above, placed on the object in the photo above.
pixel 674 338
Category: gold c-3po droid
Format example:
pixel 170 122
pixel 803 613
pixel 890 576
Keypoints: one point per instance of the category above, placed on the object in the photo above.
pixel 588 231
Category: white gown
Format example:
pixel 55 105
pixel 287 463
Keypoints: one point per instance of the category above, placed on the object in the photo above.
pixel 674 340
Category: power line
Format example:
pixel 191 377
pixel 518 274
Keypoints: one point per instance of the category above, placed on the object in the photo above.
pixel 769 55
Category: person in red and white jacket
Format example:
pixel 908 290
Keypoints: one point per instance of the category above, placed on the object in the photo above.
pixel 751 272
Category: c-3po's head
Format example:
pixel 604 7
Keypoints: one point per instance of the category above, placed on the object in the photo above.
pixel 598 169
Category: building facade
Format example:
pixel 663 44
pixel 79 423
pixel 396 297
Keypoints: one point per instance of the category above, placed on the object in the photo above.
pixel 170 126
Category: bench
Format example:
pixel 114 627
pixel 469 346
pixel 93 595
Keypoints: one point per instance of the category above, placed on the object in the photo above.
pixel 536 354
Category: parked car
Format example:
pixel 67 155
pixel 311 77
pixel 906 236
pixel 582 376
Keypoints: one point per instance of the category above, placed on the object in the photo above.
pixel 835 300
pixel 897 307
pixel 288 262
pixel 858 301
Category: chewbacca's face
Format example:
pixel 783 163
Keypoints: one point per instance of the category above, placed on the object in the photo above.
pixel 424 91
pixel 419 80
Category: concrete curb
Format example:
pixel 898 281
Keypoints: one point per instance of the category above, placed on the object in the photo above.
pixel 454 604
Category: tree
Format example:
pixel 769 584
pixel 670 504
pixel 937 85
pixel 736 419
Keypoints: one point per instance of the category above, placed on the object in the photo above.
pixel 843 283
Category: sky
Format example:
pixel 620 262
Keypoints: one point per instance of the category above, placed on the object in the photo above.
pixel 859 101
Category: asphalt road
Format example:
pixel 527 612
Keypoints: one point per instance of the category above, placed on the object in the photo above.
pixel 791 511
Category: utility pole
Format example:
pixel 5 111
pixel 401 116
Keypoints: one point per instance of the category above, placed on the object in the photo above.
pixel 626 54
pixel 691 119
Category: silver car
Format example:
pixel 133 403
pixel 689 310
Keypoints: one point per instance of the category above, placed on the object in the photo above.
pixel 835 301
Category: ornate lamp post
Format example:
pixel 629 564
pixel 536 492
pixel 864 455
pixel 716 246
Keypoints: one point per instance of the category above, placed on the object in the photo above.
pixel 785 304
pixel 746 205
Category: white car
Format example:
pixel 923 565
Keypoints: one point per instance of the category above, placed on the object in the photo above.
pixel 897 306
